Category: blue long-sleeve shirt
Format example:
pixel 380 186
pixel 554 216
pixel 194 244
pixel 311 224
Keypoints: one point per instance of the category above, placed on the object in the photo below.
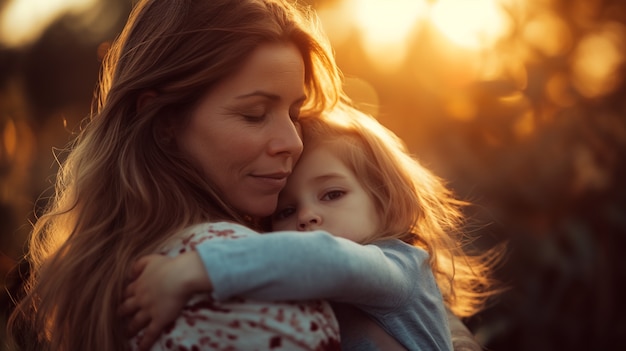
pixel 389 280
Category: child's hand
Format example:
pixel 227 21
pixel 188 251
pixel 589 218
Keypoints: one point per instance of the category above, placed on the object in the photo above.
pixel 161 287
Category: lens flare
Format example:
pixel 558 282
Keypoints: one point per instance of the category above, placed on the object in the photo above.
pixel 475 24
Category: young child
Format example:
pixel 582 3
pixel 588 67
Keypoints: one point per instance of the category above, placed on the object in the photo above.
pixel 394 255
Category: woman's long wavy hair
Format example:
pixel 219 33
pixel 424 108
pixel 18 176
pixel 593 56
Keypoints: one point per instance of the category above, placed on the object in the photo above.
pixel 415 205
pixel 124 189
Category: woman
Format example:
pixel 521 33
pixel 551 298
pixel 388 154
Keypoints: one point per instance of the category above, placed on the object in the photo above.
pixel 183 77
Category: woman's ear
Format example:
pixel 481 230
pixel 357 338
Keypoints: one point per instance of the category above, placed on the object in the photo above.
pixel 165 131
pixel 145 98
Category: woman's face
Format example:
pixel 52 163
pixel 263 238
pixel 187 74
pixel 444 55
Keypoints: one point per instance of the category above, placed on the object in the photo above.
pixel 242 133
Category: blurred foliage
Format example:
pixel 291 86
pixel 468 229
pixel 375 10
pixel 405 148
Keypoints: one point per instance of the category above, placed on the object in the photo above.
pixel 530 128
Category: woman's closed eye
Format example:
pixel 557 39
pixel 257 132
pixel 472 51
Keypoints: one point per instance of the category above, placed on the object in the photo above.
pixel 254 117
pixel 257 113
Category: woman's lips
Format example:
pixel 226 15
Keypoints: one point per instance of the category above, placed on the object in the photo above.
pixel 271 182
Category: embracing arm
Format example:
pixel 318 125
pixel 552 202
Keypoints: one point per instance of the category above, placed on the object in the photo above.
pixel 281 266
pixel 311 265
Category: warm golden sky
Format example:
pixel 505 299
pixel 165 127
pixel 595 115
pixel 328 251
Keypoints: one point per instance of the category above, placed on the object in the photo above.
pixel 466 27
pixel 473 28
pixel 459 43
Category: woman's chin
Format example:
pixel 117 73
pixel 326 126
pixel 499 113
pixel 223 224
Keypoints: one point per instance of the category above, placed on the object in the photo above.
pixel 262 210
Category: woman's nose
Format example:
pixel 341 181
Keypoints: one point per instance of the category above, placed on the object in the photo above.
pixel 286 139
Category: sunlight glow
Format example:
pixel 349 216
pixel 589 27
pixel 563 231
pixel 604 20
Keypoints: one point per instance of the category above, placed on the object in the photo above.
pixel 336 19
pixel 475 24
pixel 597 60
pixel 525 124
pixel 389 20
pixel 460 107
pixel 558 90
pixel 10 139
pixel 548 33
pixel 386 26
pixel 363 95
pixel 23 21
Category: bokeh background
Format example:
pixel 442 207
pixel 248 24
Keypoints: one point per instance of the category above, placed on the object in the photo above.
pixel 519 104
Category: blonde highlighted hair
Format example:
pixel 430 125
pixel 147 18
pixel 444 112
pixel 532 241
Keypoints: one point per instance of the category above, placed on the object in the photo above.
pixel 124 189
pixel 415 205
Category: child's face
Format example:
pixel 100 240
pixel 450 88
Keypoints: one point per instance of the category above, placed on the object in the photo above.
pixel 323 194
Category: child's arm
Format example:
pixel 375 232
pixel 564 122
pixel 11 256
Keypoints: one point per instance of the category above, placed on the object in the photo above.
pixel 276 266
pixel 310 265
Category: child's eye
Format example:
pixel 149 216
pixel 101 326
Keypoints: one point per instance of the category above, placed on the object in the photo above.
pixel 284 213
pixel 333 195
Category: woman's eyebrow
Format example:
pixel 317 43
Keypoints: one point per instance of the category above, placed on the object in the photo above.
pixel 259 93
pixel 269 96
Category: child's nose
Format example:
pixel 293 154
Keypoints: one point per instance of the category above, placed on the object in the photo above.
pixel 308 220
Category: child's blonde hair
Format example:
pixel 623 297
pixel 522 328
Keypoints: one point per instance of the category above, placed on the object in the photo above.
pixel 414 204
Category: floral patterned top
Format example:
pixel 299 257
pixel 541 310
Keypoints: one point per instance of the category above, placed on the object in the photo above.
pixel 243 324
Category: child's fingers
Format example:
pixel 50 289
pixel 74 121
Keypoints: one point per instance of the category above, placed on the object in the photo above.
pixel 130 290
pixel 150 335
pixel 139 321
pixel 138 267
pixel 128 307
